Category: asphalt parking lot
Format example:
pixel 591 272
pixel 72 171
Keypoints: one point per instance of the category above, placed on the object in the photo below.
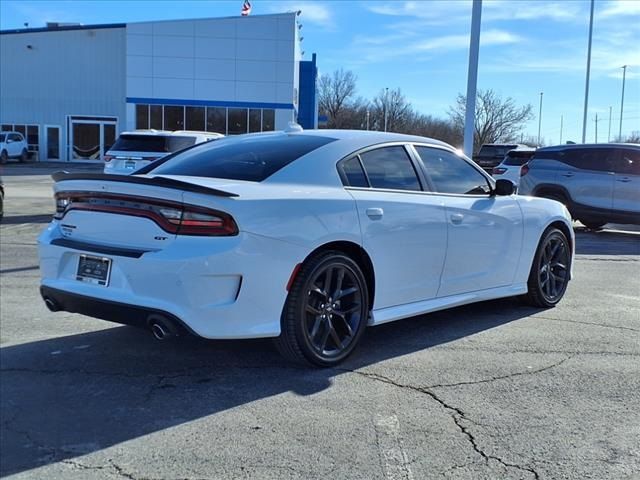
pixel 489 391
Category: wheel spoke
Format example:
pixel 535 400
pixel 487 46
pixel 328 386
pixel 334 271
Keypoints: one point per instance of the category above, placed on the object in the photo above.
pixel 318 291
pixel 344 293
pixel 325 336
pixel 559 265
pixel 335 337
pixel 327 281
pixel 313 310
pixel 345 322
pixel 316 327
pixel 339 280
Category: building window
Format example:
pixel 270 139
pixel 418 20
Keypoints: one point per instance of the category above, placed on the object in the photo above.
pixel 255 120
pixel 142 116
pixel 31 134
pixel 173 117
pixel 155 117
pixel 195 118
pixel 268 120
pixel 237 121
pixel 217 120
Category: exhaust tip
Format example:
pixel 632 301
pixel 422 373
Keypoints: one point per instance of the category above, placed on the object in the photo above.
pixel 162 327
pixel 51 304
pixel 158 332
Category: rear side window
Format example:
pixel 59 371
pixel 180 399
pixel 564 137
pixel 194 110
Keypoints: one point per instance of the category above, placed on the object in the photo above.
pixel 390 167
pixel 252 158
pixel 352 174
pixel 598 159
pixel 628 162
pixel 152 143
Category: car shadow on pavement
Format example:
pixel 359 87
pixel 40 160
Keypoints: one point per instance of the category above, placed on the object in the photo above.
pixel 20 219
pixel 69 396
pixel 607 242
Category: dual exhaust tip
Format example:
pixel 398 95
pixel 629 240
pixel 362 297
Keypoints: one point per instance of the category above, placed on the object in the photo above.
pixel 162 328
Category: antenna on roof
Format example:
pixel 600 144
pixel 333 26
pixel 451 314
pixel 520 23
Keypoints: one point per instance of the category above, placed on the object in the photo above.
pixel 293 127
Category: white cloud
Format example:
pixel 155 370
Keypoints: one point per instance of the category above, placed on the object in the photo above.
pixel 456 42
pixel 620 7
pixel 312 12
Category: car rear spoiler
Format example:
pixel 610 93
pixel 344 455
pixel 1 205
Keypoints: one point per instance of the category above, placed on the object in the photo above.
pixel 154 181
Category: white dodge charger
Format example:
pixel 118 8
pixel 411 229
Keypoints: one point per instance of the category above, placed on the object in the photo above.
pixel 304 236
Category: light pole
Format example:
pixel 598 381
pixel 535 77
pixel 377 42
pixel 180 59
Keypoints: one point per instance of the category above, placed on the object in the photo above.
pixel 386 107
pixel 368 114
pixel 586 88
pixel 540 118
pixel 609 135
pixel 561 125
pixel 472 77
pixel 624 74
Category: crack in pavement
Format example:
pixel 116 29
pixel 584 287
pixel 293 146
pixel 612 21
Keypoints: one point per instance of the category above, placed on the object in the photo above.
pixel 500 377
pixel 603 325
pixel 458 416
pixel 117 469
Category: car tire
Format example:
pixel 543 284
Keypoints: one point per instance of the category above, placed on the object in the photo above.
pixel 24 156
pixel 4 157
pixel 326 311
pixel 592 224
pixel 549 275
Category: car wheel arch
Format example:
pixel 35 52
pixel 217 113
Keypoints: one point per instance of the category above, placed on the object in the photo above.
pixel 358 255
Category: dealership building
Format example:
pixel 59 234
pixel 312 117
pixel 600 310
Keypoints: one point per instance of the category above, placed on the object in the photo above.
pixel 71 89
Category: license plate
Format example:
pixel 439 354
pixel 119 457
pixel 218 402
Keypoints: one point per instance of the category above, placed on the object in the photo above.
pixel 130 164
pixel 95 270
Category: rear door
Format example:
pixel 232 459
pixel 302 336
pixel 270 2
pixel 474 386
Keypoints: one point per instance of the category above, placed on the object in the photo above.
pixel 484 232
pixel 626 188
pixel 403 228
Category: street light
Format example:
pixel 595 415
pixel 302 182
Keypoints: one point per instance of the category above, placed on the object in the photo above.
pixel 624 74
pixel 586 88
pixel 540 118
pixel 386 108
pixel 472 77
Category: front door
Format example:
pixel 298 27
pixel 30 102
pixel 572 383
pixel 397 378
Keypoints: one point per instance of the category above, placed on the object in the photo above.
pixel 91 139
pixel 52 147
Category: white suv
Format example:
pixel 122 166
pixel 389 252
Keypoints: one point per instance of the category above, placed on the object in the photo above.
pixel 136 149
pixel 13 145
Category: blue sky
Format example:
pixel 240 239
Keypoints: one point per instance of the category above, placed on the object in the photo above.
pixel 527 47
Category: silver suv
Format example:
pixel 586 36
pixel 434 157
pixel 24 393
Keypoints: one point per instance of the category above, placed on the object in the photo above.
pixel 598 183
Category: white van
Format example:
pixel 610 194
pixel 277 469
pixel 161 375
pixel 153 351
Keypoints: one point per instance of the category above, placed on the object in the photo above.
pixel 136 149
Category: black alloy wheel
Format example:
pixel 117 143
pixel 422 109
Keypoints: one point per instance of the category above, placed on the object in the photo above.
pixel 549 274
pixel 326 311
pixel 24 156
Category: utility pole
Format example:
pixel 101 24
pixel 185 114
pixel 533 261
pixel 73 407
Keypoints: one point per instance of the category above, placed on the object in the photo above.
pixel 472 77
pixel 540 118
pixel 586 88
pixel 624 74
pixel 561 125
pixel 368 114
pixel 609 136
pixel 596 122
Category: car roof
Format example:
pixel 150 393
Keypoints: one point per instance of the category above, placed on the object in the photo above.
pixel 571 146
pixel 167 133
pixel 367 137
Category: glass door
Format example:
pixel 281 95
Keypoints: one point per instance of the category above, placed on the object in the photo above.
pixel 52 148
pixel 91 139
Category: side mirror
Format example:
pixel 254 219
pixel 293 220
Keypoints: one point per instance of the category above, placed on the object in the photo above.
pixel 504 187
pixel 9 140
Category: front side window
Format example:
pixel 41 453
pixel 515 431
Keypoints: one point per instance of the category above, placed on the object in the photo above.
pixel 390 167
pixel 628 162
pixel 451 173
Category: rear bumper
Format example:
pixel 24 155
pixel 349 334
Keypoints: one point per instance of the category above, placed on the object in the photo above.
pixel 117 312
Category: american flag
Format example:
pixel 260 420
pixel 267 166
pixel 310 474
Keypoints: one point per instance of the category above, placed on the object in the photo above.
pixel 246 8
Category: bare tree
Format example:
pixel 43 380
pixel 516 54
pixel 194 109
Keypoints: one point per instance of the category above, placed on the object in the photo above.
pixel 390 107
pixel 496 120
pixel 335 91
pixel 633 137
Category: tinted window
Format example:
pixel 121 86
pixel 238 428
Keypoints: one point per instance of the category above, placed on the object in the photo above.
pixel 217 120
pixel 142 116
pixel 352 173
pixel 390 167
pixel 452 174
pixel 252 159
pixel 628 162
pixel 237 121
pixel 599 159
pixel 152 143
pixel 15 137
pixel 2 137
pixel 518 157
pixel 194 117
pixel 155 117
pixel 173 118
pixel 495 151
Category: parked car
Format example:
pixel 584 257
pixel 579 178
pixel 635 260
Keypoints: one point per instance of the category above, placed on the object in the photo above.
pixel 598 183
pixel 304 236
pixel 509 168
pixel 13 145
pixel 491 154
pixel 136 149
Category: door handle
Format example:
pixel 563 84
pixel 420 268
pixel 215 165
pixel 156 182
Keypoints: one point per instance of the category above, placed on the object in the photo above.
pixel 457 218
pixel 568 174
pixel 623 180
pixel 375 213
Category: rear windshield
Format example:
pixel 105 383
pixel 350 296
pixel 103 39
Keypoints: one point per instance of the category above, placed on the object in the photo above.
pixel 152 143
pixel 495 151
pixel 518 157
pixel 252 158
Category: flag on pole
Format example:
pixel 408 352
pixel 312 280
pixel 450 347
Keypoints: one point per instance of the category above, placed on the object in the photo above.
pixel 246 8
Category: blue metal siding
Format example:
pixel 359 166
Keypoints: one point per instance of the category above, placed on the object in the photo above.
pixel 308 104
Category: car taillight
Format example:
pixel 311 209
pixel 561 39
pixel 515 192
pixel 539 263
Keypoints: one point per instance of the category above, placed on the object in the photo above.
pixel 499 170
pixel 170 216
pixel 524 169
pixel 108 158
